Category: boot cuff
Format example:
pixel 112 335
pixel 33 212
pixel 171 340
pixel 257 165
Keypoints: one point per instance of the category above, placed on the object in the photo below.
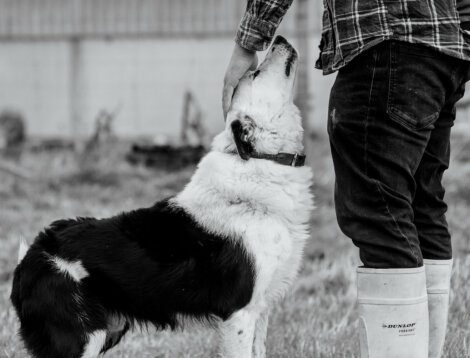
pixel 391 286
pixel 438 274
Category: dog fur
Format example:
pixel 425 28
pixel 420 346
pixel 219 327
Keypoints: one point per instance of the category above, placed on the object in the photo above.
pixel 223 250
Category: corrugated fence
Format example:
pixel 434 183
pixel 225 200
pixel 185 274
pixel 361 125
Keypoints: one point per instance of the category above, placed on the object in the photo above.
pixel 68 18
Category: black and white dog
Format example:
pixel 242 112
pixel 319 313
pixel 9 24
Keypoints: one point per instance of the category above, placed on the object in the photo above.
pixel 224 249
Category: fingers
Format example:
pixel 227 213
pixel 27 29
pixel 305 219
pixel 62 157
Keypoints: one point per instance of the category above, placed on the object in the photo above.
pixel 233 76
pixel 235 72
pixel 227 97
pixel 241 62
pixel 254 64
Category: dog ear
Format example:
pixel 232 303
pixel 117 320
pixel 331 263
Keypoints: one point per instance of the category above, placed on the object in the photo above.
pixel 242 135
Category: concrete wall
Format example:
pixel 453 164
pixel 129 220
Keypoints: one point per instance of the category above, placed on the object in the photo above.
pixel 146 78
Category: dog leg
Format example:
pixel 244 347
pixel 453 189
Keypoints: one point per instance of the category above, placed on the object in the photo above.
pixel 237 334
pixel 259 344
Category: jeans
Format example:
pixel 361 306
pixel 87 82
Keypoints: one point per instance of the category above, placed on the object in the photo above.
pixel 390 114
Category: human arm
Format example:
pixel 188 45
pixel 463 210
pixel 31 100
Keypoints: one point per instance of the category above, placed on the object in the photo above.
pixel 255 32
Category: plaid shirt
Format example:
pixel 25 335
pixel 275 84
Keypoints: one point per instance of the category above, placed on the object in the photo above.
pixel 352 26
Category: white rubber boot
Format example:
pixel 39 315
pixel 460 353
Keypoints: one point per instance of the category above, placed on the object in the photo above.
pixel 438 274
pixel 393 310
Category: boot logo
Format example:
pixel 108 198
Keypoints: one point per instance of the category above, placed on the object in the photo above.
pixel 403 329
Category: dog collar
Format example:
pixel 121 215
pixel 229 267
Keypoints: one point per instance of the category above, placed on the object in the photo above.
pixel 291 160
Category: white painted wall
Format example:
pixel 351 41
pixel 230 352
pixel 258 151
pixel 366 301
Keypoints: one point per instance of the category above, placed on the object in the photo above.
pixel 145 77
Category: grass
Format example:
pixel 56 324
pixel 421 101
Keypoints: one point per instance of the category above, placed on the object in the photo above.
pixel 317 319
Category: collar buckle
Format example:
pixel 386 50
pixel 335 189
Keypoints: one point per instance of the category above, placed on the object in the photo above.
pixel 294 160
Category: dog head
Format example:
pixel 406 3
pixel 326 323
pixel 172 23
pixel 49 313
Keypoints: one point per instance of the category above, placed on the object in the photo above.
pixel 263 117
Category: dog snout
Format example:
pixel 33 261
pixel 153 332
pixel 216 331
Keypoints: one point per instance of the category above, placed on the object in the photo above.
pixel 290 63
pixel 283 48
pixel 281 41
pixel 282 45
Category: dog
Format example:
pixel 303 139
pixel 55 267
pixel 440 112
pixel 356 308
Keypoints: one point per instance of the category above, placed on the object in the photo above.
pixel 222 251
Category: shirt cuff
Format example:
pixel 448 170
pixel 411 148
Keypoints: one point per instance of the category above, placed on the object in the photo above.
pixel 255 34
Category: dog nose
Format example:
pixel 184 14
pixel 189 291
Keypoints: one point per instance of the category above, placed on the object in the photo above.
pixel 281 43
pixel 280 40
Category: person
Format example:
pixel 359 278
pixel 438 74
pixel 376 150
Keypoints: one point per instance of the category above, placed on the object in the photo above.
pixel 402 66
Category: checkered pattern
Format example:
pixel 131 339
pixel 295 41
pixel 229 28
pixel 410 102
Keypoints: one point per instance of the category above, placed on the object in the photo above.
pixel 258 25
pixel 464 10
pixel 352 26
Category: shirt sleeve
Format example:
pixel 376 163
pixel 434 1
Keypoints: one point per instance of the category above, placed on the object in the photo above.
pixel 258 25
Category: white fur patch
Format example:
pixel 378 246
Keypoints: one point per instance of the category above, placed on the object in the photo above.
pixel 74 269
pixel 96 341
pixel 265 204
pixel 22 250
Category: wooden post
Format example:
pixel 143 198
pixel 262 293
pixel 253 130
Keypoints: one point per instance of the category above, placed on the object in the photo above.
pixel 303 98
pixel 76 93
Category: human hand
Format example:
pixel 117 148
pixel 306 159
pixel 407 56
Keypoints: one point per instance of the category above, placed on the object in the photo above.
pixel 242 61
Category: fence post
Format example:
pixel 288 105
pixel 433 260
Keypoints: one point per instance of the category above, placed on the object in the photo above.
pixel 76 89
pixel 303 97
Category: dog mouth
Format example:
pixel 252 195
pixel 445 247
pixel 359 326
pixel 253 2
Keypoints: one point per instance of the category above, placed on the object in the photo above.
pixel 290 62
pixel 284 47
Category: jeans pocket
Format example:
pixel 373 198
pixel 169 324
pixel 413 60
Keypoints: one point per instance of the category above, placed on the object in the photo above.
pixel 416 92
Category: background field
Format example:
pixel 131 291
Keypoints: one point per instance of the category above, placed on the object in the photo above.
pixel 317 319
pixel 62 63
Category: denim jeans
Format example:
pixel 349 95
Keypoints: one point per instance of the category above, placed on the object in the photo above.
pixel 390 114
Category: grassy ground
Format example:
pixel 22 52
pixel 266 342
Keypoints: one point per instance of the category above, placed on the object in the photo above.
pixel 318 319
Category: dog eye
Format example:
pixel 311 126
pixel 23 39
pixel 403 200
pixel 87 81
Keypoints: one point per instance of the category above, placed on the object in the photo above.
pixel 256 73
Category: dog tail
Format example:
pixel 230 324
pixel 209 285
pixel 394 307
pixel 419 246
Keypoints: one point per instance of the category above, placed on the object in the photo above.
pixel 46 303
pixel 23 249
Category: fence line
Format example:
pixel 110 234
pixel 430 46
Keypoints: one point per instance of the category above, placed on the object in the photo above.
pixel 72 18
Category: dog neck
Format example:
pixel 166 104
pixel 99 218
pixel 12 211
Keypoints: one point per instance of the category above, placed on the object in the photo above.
pixel 224 143
pixel 225 181
pixel 292 160
pixel 289 159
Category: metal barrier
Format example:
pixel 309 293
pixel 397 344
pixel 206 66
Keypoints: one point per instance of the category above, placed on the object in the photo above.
pixel 101 18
